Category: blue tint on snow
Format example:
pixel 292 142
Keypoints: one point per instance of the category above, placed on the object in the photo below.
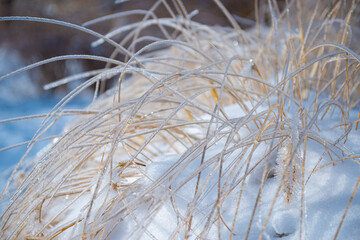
pixel 21 131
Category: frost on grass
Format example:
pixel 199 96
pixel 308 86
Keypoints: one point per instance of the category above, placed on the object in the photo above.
pixel 209 133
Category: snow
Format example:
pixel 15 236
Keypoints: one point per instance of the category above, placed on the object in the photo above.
pixel 326 194
pixel 328 186
pixel 16 87
pixel 20 97
pixel 285 222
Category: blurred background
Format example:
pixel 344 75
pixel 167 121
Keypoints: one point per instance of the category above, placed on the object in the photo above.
pixel 24 43
pixel 32 42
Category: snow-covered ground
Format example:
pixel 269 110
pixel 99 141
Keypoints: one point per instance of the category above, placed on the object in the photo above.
pixel 13 133
pixel 314 212
pixel 328 190
pixel 19 97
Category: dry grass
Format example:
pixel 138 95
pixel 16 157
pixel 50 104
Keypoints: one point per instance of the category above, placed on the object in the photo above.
pixel 285 78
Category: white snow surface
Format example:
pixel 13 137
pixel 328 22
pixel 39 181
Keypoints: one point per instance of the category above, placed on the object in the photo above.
pixel 327 193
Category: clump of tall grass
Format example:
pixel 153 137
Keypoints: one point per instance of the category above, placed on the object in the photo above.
pixel 198 117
